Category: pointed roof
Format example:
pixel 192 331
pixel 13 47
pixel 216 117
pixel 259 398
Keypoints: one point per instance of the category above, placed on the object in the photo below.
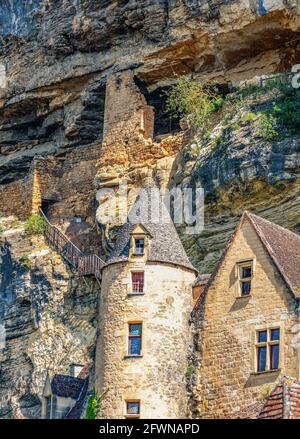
pixel 284 248
pixel 164 243
pixel 282 403
pixel 67 386
pixel 282 245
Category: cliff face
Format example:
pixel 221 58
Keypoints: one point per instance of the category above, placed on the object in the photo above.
pixel 47 320
pixel 55 56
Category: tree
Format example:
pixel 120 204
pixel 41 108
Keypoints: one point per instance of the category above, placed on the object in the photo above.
pixel 192 102
pixel 94 404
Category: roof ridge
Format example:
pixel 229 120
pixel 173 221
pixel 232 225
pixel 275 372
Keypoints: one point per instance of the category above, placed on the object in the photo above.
pixel 284 229
pixel 252 217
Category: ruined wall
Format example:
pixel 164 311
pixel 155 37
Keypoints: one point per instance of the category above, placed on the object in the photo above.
pixel 227 325
pixel 15 198
pixel 128 148
pixel 67 180
pixel 158 377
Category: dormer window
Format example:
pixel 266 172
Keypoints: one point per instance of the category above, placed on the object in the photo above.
pixel 139 246
pixel 245 274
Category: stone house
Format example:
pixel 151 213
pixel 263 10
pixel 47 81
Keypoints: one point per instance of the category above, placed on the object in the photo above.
pixel 144 311
pixel 247 319
pixel 282 403
pixel 65 396
pixel 245 316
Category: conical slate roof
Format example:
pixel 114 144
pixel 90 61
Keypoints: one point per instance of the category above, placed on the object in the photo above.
pixel 164 243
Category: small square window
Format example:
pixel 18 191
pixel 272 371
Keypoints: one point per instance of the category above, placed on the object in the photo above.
pixel 262 336
pixel 133 409
pixel 139 247
pixel 246 272
pixel 275 334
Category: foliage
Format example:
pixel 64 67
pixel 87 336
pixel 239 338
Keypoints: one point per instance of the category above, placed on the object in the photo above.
pixel 2 230
pixel 266 392
pixel 26 262
pixel 94 404
pixel 247 117
pixel 190 370
pixel 35 225
pixel 192 102
pixel 267 127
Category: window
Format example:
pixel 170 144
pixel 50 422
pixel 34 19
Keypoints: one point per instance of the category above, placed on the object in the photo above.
pixel 133 409
pixel 137 282
pixel 139 247
pixel 267 349
pixel 48 407
pixel 135 339
pixel 245 278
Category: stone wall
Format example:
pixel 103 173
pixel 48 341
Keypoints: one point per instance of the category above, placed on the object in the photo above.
pixel 128 148
pixel 226 327
pixel 15 198
pixel 66 180
pixel 158 378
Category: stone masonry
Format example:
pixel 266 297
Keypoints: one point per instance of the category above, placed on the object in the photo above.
pixel 66 180
pixel 227 323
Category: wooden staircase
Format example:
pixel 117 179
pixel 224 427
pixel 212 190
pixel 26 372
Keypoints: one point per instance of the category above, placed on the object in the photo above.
pixel 84 265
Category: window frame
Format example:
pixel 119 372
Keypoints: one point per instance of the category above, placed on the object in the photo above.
pixel 139 238
pixel 129 415
pixel 48 398
pixel 129 337
pixel 132 292
pixel 249 263
pixel 267 344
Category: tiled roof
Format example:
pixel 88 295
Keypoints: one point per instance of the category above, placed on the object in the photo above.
pixel 78 409
pixel 283 403
pixel 250 412
pixel 284 248
pixel 274 405
pixel 202 279
pixel 282 245
pixel 164 246
pixel 67 386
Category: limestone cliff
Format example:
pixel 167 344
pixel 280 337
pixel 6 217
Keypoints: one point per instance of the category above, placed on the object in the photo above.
pixel 47 320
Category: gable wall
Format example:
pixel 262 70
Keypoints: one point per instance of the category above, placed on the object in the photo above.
pixel 226 378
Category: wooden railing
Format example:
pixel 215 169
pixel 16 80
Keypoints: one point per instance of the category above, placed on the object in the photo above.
pixel 85 265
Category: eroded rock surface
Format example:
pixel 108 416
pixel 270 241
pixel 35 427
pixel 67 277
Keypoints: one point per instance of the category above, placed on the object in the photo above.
pixel 55 56
pixel 47 321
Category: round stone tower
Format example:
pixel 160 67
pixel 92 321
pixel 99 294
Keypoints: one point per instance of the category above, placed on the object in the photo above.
pixel 145 304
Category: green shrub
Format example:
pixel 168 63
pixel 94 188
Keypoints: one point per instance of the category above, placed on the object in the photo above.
pixel 265 392
pixel 35 225
pixel 234 126
pixel 190 370
pixel 249 117
pixel 192 102
pixel 94 404
pixel 267 127
pixel 2 230
pixel 26 262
